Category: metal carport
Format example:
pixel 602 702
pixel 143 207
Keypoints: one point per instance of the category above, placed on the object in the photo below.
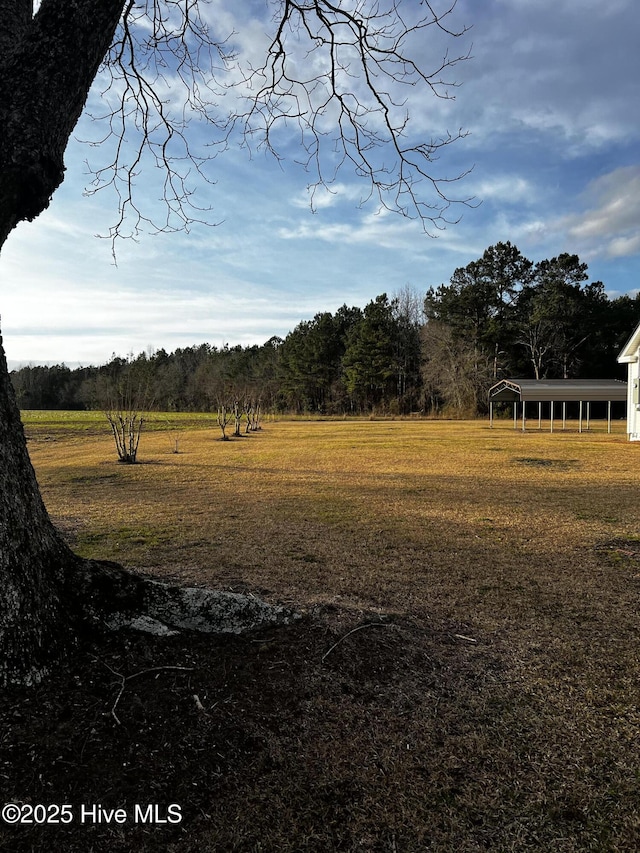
pixel 556 391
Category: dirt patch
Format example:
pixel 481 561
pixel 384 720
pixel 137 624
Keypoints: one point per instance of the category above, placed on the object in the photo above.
pixel 540 462
pixel 347 731
pixel 621 550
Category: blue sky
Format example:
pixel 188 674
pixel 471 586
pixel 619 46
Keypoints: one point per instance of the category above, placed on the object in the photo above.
pixel 550 100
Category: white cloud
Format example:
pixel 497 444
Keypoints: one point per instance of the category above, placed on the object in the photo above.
pixel 388 235
pixel 611 222
pixel 79 325
pixel 377 229
pixel 622 247
pixel 566 71
pixel 321 197
pixel 607 223
pixel 504 188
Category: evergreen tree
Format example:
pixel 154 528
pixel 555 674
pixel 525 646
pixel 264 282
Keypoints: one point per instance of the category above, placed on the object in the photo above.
pixel 558 317
pixel 369 359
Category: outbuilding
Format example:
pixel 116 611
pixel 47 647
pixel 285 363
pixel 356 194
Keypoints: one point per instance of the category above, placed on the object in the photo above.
pixel 630 355
pixel 558 391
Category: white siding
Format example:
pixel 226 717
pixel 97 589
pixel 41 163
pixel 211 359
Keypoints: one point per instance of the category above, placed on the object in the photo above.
pixel 630 355
pixel 633 400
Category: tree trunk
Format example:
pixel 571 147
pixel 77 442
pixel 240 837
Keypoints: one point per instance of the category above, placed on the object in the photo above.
pixel 48 62
pixel 35 622
pixel 47 65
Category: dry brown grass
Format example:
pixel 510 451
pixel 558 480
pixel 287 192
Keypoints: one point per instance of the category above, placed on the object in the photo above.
pixel 386 514
pixel 492 701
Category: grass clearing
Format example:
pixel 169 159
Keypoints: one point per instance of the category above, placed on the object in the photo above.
pixel 384 510
pixel 491 702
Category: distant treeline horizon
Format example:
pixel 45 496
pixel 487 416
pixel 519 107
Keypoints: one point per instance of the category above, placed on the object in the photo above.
pixel 439 351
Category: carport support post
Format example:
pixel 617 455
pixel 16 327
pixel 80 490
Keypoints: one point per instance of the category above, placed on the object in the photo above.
pixel 539 414
pixel 515 414
pixel 524 406
pixel 551 430
pixel 588 414
pixel 608 416
pixel 564 415
pixel 490 415
pixel 580 418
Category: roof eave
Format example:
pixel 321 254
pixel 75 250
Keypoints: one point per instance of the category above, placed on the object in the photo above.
pixel 629 352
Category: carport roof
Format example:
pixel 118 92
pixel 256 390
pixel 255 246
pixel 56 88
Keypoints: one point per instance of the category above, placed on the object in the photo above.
pixel 560 390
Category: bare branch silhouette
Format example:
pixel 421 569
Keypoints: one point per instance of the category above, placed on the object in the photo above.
pixel 339 78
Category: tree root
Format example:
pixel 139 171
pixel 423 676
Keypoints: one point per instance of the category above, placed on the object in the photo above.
pixel 109 595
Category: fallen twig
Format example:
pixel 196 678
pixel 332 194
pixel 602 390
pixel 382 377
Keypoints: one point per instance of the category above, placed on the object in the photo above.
pixel 125 678
pixel 352 631
pixel 199 705
pixel 466 639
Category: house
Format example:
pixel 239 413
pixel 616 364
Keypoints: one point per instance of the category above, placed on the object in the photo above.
pixel 630 355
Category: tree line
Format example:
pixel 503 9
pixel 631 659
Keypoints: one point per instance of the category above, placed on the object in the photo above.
pixel 501 315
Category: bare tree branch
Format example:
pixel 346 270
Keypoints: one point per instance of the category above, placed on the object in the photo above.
pixel 340 76
pixel 350 102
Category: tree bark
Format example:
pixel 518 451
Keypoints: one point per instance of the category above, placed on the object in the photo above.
pixel 48 63
pixel 35 622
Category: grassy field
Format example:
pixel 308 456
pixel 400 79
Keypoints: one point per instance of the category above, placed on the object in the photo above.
pixel 489 698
